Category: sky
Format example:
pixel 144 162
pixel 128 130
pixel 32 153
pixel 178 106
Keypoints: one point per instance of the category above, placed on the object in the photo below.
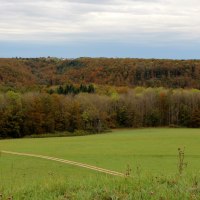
pixel 100 28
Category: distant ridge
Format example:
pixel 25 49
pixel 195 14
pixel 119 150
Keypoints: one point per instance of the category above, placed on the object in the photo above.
pixel 17 72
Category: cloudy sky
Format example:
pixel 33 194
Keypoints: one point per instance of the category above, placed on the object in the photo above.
pixel 100 28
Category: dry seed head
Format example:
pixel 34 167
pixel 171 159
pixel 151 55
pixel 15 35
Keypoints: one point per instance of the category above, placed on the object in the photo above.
pixel 152 193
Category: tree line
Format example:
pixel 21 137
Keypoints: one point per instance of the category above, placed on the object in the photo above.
pixel 71 89
pixel 38 113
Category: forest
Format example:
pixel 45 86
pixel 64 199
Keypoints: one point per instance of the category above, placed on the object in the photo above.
pixel 18 73
pixel 50 95
pixel 39 113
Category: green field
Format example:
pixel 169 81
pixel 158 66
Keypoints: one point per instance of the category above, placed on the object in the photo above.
pixel 150 153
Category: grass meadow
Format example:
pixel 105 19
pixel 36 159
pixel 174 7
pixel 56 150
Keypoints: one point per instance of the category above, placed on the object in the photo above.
pixel 150 155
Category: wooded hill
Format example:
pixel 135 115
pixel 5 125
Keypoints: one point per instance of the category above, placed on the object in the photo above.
pixel 50 95
pixel 18 72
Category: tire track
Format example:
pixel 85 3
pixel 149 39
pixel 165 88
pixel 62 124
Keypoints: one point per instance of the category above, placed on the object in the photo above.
pixel 99 169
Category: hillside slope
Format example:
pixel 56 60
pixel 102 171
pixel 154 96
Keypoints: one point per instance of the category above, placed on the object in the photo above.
pixel 110 71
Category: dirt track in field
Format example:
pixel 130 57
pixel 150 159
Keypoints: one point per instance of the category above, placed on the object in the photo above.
pixel 98 169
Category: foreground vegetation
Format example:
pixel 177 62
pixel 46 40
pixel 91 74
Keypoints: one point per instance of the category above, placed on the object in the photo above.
pixel 140 187
pixel 149 155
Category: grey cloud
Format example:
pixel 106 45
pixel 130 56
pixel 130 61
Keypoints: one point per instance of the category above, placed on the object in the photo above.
pixel 103 20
